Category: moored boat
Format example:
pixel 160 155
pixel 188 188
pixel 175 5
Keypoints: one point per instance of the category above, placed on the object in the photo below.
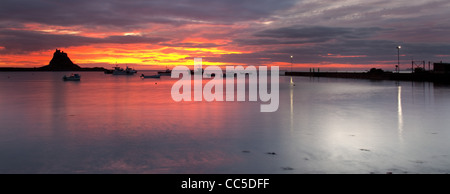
pixel 121 71
pixel 151 76
pixel 168 72
pixel 108 71
pixel 73 77
pixel 199 70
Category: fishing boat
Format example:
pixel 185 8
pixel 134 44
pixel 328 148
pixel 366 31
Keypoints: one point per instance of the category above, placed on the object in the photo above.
pixel 151 76
pixel 168 72
pixel 108 71
pixel 198 70
pixel 73 77
pixel 121 71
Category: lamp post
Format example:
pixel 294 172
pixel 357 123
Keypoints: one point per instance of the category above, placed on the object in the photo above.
pixel 398 59
pixel 292 61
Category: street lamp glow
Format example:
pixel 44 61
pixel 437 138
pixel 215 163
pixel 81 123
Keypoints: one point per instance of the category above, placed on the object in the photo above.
pixel 292 61
pixel 397 67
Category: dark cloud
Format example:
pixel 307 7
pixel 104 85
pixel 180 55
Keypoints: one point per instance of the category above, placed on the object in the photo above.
pixel 303 32
pixel 368 31
pixel 318 32
pixel 17 41
pixel 343 52
pixel 316 44
pixel 274 41
pixel 307 34
pixel 137 12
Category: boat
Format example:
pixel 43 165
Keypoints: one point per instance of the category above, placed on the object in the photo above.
pixel 199 70
pixel 151 76
pixel 73 77
pixel 168 72
pixel 121 71
pixel 109 71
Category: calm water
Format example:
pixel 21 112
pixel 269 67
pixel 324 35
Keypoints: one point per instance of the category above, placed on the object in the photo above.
pixel 123 124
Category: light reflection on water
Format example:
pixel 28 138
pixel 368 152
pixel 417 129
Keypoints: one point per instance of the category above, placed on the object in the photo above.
pixel 123 124
pixel 400 113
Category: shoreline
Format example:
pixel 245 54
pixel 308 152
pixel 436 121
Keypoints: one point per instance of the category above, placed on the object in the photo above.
pixel 8 69
pixel 424 77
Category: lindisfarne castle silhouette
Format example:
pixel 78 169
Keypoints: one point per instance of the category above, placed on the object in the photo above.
pixel 61 62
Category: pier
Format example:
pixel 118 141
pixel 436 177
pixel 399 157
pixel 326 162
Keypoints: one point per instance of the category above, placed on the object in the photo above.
pixel 440 73
pixel 424 76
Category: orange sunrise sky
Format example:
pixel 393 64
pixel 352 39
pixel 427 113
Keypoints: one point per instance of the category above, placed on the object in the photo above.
pixel 331 35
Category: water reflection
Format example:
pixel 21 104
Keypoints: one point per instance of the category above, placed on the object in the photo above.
pixel 423 91
pixel 110 124
pixel 292 105
pixel 400 113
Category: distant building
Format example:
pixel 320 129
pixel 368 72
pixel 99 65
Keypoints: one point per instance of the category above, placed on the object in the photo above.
pixel 441 67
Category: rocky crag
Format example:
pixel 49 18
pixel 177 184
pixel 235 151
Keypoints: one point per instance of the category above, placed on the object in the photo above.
pixel 60 62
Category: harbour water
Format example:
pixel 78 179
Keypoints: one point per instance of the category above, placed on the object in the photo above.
pixel 124 124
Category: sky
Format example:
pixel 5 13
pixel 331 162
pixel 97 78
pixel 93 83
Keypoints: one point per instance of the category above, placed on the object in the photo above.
pixel 326 34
